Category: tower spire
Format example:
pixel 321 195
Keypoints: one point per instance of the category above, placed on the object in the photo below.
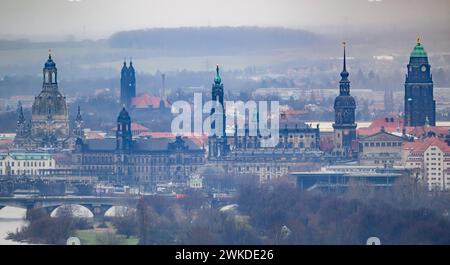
pixel 217 79
pixel 345 61
pixel 49 54
pixel 344 73
pixel 79 117
pixel 21 116
pixel 344 84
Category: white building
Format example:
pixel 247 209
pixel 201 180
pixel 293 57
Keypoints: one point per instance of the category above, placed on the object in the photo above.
pixel 429 160
pixel 15 163
pixel 195 181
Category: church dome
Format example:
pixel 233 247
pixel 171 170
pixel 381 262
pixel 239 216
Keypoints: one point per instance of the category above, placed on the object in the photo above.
pixel 50 63
pixel 344 101
pixel 51 103
pixel 418 51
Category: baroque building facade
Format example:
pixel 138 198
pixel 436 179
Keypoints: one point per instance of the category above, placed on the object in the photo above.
pixel 241 153
pixel 25 164
pixel 381 149
pixel 49 125
pixel 143 162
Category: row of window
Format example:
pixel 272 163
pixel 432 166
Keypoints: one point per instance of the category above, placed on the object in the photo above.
pixel 142 160
pixel 21 172
pixel 383 144
pixel 260 169
pixel 384 161
pixel 26 164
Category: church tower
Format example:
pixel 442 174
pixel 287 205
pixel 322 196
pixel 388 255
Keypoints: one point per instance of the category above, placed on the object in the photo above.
pixel 127 84
pixel 131 82
pixel 344 108
pixel 123 133
pixel 22 129
pixel 49 117
pixel 124 84
pixel 78 129
pixel 218 140
pixel 420 105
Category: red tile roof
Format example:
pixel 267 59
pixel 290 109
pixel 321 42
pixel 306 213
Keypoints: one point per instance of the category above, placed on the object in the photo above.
pixel 93 135
pixel 390 125
pixel 135 127
pixel 146 100
pixel 393 124
pixel 423 130
pixel 421 145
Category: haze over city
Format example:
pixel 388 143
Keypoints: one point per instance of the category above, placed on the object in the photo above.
pixel 57 19
pixel 232 122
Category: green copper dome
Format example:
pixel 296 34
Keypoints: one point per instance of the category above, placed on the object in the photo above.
pixel 419 51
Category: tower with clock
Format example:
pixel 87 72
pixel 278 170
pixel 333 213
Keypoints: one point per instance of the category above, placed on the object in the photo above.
pixel 344 108
pixel 420 106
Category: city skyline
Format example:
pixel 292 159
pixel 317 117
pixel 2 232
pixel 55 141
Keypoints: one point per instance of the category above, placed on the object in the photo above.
pixel 259 123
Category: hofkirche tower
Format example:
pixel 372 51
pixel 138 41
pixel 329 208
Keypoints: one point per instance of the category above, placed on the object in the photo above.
pixel 49 126
pixel 344 108
pixel 218 140
pixel 420 106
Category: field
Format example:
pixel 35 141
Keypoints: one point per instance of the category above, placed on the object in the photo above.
pixel 104 236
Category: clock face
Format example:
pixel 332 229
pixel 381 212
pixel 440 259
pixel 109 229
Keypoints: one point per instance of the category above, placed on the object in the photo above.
pixel 424 68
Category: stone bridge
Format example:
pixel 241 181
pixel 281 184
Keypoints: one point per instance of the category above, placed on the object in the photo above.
pixel 97 205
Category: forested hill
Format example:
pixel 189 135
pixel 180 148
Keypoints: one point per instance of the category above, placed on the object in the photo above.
pixel 214 39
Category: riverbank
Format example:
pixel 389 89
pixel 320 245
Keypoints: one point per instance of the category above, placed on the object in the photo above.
pixel 11 219
pixel 104 236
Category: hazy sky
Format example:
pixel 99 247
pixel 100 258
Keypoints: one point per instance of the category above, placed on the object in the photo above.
pixel 100 18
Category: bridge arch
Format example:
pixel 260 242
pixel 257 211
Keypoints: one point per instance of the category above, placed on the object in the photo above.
pixel 119 211
pixel 77 210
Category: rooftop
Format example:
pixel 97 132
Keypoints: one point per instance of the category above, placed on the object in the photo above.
pixel 418 51
pixel 26 156
pixel 422 145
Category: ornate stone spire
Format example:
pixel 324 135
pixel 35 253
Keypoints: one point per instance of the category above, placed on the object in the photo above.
pixel 21 119
pixel 79 118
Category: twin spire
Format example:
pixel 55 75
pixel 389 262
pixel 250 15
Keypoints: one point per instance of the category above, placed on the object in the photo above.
pixel 125 63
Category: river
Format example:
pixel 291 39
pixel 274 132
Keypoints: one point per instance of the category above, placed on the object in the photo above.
pixel 11 219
